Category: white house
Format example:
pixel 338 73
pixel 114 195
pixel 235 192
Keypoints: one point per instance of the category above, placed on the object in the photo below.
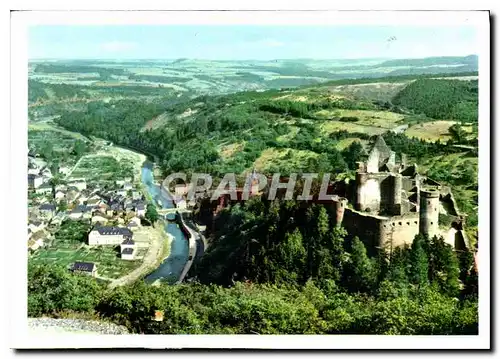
pixel 140 210
pixel 128 254
pixel 58 219
pixel 94 200
pixel 61 187
pixel 127 243
pixel 85 268
pixel 108 235
pixel 37 240
pixel 121 192
pixel 60 195
pixel 36 226
pixel 34 180
pixel 76 213
pixel 46 173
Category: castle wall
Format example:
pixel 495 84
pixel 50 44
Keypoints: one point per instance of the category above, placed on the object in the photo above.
pixel 367 193
pixel 381 232
pixel 408 183
pixel 379 192
pixel 365 226
pixel 400 230
pixel 372 164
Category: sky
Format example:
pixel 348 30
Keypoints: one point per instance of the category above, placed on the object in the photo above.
pixel 248 42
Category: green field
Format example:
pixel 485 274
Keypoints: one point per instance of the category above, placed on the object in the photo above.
pixel 282 159
pixel 102 168
pixel 107 259
pixel 55 143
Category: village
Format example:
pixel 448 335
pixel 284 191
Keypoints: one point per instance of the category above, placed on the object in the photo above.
pixel 107 217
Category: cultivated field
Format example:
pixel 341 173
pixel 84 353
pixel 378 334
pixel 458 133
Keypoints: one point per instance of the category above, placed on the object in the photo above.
pixel 283 158
pixel 328 127
pixel 101 168
pixel 346 142
pixel 109 264
pixel 382 119
pixel 431 131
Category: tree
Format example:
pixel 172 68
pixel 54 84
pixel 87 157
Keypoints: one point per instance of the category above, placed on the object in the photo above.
pixel 419 266
pixel 55 288
pixel 151 213
pixel 292 253
pixel 352 154
pixel 79 148
pixel 63 206
pixel 444 265
pixel 457 133
pixel 361 275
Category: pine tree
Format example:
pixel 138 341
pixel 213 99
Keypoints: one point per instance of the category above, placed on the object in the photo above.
pixel 451 271
pixel 419 266
pixel 292 252
pixel 444 266
pixel 361 274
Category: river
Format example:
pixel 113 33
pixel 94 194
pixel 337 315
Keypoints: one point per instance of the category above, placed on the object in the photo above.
pixel 170 269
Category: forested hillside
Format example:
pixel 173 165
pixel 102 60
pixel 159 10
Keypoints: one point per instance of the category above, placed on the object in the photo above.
pixel 305 125
pixel 441 99
pixel 251 308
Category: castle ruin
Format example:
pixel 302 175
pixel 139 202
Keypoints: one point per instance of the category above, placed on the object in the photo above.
pixel 392 203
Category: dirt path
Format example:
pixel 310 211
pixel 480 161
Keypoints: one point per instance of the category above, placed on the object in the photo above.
pixel 151 260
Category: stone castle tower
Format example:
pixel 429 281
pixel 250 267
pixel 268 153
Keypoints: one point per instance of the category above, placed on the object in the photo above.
pixel 429 212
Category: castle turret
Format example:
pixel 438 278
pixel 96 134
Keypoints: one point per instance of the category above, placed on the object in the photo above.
pixel 340 204
pixel 403 161
pixel 396 194
pixel 429 212
pixel 361 179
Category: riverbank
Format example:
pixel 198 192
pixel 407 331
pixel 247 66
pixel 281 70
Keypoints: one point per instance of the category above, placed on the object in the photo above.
pixel 158 250
pixel 192 237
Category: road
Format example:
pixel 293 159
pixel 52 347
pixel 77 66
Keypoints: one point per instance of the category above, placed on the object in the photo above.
pixel 192 239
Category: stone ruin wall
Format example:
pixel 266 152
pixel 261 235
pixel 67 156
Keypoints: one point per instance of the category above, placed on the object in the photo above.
pixel 380 232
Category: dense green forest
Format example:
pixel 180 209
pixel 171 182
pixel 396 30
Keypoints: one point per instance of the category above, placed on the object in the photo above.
pixel 38 90
pixel 395 78
pixel 42 91
pixel 104 72
pixel 340 290
pixel 254 119
pixel 292 242
pixel 441 99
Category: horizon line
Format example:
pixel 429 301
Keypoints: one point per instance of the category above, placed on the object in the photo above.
pixel 240 60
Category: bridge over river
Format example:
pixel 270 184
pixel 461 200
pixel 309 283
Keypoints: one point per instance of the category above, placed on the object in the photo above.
pixel 165 211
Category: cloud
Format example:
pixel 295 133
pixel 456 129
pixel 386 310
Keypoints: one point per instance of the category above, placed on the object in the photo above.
pixel 117 46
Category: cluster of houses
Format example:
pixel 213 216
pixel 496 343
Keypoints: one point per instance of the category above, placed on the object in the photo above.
pixel 119 204
pixel 107 236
